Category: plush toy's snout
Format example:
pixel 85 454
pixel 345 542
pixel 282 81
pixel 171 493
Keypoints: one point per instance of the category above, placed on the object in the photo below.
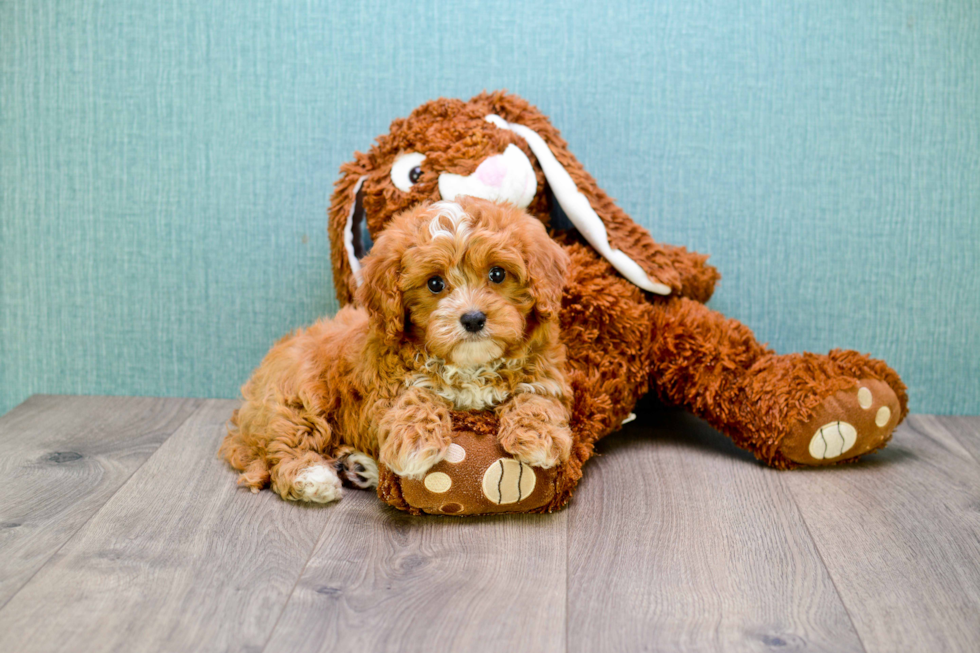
pixel 507 177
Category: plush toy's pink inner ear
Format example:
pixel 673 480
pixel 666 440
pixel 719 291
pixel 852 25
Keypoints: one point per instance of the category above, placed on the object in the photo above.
pixel 357 240
pixel 577 208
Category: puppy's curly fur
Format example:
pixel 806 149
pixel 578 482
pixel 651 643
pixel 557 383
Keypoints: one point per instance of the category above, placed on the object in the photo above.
pixel 457 309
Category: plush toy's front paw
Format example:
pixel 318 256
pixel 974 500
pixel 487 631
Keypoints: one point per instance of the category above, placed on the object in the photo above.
pixel 411 449
pixel 845 425
pixel 535 431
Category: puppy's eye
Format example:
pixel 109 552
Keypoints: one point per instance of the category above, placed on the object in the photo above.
pixel 436 285
pixel 497 275
pixel 406 170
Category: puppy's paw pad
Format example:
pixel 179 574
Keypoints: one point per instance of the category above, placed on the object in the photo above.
pixel 317 484
pixel 359 470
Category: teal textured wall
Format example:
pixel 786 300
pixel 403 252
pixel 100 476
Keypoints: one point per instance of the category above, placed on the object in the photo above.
pixel 165 167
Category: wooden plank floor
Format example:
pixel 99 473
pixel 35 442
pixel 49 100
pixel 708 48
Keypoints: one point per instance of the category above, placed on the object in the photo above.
pixel 120 530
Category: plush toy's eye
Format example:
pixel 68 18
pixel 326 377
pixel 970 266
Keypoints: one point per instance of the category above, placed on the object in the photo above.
pixel 497 275
pixel 406 170
pixel 436 285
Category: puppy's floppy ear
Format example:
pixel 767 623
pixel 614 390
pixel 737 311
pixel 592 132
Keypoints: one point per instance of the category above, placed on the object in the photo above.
pixel 379 291
pixel 547 265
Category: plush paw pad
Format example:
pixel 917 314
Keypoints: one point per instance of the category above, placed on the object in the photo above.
pixel 846 425
pixel 317 484
pixel 508 481
pixel 438 482
pixel 832 440
pixel 883 416
pixel 455 454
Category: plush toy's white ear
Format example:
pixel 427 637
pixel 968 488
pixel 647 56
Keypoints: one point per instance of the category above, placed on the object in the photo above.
pixel 576 206
pixel 355 218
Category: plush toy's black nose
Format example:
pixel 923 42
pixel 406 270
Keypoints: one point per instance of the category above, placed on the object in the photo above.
pixel 473 321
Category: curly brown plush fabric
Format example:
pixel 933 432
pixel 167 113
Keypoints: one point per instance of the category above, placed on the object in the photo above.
pixel 622 342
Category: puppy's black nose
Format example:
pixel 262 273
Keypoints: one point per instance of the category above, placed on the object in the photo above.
pixel 473 321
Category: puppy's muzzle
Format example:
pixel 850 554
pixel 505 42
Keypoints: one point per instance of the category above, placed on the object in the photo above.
pixel 474 321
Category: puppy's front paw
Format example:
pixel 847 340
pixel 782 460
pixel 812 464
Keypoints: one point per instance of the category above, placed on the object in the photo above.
pixel 414 433
pixel 316 484
pixel 535 431
pixel 543 447
pixel 411 449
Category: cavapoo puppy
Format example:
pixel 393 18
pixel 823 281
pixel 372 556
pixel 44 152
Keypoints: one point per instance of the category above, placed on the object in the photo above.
pixel 457 309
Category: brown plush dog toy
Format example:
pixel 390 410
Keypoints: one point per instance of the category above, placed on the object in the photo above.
pixel 633 316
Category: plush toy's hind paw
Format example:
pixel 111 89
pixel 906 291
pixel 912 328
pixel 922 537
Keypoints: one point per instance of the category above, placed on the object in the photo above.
pixel 846 425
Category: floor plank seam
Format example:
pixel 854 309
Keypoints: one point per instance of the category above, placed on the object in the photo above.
pixel 299 577
pixel 199 403
pixel 816 547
